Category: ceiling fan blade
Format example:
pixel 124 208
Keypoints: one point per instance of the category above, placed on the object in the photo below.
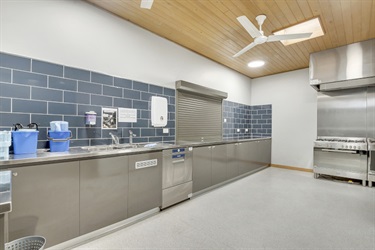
pixel 249 26
pixel 248 47
pixel 274 38
pixel 146 4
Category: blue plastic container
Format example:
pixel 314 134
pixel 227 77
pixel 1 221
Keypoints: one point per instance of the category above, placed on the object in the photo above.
pixel 59 140
pixel 25 141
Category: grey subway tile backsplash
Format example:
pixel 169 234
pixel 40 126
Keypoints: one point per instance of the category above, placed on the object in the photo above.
pixel 169 92
pixel 74 121
pixel 5 75
pixel 74 97
pixel 132 94
pixel 82 109
pixel 145 96
pixel 123 83
pixel 46 94
pixel 62 108
pixel 31 79
pixel 140 105
pixel 43 91
pixel 78 74
pixel 57 92
pixel 47 68
pixel 87 87
pixel 112 91
pixel 14 62
pixel 156 89
pixel 101 78
pixel 256 119
pixel 86 133
pixel 101 100
pixel 8 119
pixel 5 104
pixel 140 86
pixel 62 83
pixel 44 120
pixel 122 102
pixel 28 106
pixel 13 90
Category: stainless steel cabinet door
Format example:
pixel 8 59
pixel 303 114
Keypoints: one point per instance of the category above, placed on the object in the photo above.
pixel 232 160
pixel 265 152
pixel 201 168
pixel 145 183
pixel 246 154
pixel 218 164
pixel 45 202
pixel 103 192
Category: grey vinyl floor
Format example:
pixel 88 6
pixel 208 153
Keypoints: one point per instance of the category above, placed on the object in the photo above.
pixel 271 209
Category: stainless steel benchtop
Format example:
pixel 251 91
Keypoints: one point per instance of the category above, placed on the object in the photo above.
pixel 80 153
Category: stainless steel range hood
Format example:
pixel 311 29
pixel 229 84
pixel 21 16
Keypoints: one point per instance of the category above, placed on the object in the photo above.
pixel 345 67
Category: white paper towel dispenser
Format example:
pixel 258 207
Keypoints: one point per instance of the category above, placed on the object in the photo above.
pixel 159 111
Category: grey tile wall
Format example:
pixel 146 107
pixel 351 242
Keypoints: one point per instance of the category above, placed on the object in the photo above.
pixel 244 121
pixel 36 91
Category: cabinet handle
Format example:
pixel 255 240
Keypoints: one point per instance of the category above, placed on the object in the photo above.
pixel 15 173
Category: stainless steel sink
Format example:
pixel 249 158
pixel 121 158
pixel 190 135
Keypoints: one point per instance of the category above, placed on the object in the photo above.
pixel 109 147
pixel 135 146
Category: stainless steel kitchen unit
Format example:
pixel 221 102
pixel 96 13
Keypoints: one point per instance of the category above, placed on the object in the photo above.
pixel 343 157
pixel 177 175
pixel 5 204
pixel 371 161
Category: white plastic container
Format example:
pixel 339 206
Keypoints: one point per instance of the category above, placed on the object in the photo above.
pixel 5 142
pixel 57 126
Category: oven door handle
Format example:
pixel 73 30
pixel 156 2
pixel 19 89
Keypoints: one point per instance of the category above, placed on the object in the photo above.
pixel 340 151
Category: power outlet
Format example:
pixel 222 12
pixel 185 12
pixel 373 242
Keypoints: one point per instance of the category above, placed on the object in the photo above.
pixel 246 130
pixel 165 130
pixel 238 130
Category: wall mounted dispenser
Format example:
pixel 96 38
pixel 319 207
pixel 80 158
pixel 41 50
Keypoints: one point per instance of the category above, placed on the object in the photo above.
pixel 90 118
pixel 159 111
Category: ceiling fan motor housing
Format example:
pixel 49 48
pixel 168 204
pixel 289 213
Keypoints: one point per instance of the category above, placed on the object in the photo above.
pixel 260 39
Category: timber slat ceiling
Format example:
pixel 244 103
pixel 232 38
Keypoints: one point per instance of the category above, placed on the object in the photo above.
pixel 210 27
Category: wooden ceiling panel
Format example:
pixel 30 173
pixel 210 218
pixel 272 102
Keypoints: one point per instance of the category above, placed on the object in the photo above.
pixel 210 27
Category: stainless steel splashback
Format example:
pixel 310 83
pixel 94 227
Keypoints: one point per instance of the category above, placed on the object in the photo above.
pixel 342 113
pixel 344 67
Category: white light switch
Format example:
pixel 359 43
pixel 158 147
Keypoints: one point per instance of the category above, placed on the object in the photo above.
pixel 225 120
pixel 238 130
pixel 246 130
pixel 165 130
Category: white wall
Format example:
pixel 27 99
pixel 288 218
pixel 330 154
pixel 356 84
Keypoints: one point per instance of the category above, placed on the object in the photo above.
pixel 78 34
pixel 294 116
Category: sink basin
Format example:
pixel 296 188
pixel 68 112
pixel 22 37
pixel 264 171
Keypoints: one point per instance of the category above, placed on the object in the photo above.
pixel 109 147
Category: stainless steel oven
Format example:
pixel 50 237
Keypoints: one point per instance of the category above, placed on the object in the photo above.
pixel 371 161
pixel 343 157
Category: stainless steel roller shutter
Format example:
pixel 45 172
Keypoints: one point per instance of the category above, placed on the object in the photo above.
pixel 198 117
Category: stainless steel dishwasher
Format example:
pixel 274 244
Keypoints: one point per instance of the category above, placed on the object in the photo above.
pixel 177 175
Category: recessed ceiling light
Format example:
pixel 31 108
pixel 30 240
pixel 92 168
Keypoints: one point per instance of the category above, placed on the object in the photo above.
pixel 255 64
pixel 312 25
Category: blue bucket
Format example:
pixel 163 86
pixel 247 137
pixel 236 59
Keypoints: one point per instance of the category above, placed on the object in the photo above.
pixel 59 140
pixel 25 141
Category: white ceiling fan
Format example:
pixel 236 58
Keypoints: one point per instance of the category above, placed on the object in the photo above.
pixel 146 4
pixel 259 36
